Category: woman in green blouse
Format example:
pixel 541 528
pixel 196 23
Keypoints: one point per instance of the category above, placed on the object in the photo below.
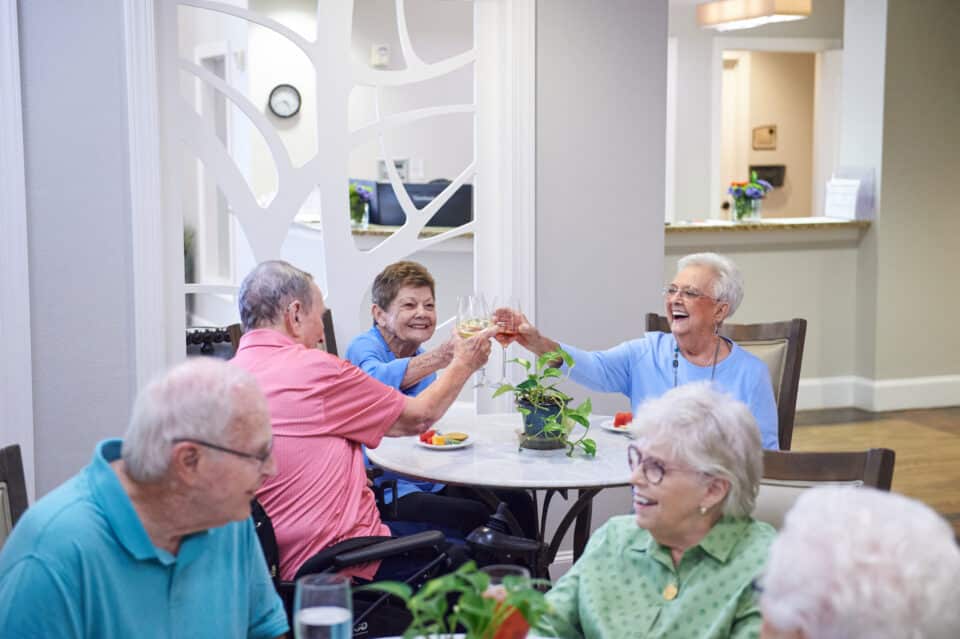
pixel 683 564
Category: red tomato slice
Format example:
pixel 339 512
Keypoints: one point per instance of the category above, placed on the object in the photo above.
pixel 427 435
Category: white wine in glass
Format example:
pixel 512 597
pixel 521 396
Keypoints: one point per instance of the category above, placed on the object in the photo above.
pixel 473 317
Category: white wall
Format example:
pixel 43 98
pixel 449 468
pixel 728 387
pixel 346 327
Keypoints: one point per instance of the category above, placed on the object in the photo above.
pixel 826 123
pixel 77 176
pixel 601 111
pixel 695 104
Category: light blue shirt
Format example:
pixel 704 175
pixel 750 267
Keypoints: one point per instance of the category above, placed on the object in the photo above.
pixel 79 563
pixel 370 353
pixel 643 368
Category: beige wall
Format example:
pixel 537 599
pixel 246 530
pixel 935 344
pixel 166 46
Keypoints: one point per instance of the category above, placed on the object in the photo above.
pixel 781 93
pixel 918 234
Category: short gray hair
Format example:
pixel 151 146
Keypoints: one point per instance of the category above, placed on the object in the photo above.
pixel 711 432
pixel 728 282
pixel 858 562
pixel 200 398
pixel 268 289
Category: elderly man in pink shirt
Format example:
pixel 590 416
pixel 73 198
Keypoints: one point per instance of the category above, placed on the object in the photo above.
pixel 323 409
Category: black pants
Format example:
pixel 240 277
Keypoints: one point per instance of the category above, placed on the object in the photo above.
pixel 460 509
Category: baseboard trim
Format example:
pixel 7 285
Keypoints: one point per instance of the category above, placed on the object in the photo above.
pixel 879 395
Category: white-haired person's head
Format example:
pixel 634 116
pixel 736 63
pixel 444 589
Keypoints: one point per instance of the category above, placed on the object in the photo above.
pixel 267 291
pixel 727 279
pixel 201 399
pixel 709 431
pixel 861 563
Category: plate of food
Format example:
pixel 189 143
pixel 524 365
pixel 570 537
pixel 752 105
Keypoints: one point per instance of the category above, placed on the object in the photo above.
pixel 435 440
pixel 619 424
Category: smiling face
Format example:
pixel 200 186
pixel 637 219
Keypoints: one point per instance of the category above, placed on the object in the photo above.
pixel 670 510
pixel 694 317
pixel 410 318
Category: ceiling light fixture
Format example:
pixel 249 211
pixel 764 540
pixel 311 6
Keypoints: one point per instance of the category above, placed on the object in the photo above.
pixel 727 15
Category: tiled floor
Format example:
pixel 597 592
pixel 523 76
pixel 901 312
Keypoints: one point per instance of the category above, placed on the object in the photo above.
pixel 927 445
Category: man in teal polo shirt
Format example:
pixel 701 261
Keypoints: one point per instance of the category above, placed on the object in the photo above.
pixel 154 538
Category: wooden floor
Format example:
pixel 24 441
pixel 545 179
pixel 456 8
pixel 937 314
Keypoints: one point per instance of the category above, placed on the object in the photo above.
pixel 927 445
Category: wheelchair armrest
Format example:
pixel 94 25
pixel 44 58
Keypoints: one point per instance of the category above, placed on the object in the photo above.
pixel 425 539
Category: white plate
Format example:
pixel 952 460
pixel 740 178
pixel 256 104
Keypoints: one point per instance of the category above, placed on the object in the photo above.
pixel 607 424
pixel 464 444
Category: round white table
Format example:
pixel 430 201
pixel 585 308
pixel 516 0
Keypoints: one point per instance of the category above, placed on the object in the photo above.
pixel 494 460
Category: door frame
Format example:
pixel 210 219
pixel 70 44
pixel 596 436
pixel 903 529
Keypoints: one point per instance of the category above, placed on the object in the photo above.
pixel 16 365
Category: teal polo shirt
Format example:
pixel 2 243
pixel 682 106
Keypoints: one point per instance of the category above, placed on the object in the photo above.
pixel 80 564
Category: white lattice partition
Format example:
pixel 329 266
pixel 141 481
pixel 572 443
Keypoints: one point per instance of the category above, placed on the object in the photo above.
pixel 349 270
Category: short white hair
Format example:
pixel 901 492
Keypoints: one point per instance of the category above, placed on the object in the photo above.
pixel 200 399
pixel 728 281
pixel 710 431
pixel 858 562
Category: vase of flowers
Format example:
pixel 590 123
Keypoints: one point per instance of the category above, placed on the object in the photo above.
pixel 747 196
pixel 359 206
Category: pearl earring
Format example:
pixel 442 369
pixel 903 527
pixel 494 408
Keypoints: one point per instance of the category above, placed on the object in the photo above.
pixel 703 510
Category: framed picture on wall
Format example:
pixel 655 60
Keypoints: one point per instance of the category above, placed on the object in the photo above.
pixel 765 137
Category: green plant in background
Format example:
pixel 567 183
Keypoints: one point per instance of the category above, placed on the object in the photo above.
pixel 539 393
pixel 359 200
pixel 479 616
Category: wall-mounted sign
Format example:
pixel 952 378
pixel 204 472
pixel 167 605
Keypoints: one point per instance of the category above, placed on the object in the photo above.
pixel 765 137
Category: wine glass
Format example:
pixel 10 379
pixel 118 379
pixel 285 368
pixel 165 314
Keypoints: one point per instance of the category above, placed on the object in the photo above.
pixel 322 607
pixel 514 626
pixel 472 318
pixel 506 317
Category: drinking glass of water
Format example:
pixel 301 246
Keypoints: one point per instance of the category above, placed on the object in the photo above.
pixel 322 607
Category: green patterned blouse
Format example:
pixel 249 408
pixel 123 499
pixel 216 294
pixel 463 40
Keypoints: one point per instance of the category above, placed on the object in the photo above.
pixel 625 585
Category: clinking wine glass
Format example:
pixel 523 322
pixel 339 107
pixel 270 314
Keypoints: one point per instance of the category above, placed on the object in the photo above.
pixel 507 318
pixel 473 317
pixel 322 607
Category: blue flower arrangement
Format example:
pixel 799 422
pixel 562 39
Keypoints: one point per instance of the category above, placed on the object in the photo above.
pixel 747 195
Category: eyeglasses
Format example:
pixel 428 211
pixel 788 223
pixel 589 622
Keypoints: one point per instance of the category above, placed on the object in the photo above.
pixel 652 468
pixel 260 458
pixel 688 293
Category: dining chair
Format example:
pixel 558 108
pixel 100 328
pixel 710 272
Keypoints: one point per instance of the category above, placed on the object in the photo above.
pixel 786 474
pixel 13 489
pixel 780 346
pixel 329 336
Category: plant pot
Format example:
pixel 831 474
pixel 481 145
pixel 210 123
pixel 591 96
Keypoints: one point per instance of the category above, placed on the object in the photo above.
pixel 533 435
pixel 746 209
pixel 360 215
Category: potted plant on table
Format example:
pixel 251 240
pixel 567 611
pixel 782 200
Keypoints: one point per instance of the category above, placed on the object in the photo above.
pixel 476 609
pixel 548 412
pixel 746 197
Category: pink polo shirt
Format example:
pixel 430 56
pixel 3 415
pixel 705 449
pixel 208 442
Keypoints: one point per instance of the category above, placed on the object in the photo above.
pixel 322 409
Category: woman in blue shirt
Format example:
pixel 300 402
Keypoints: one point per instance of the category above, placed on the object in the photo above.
pixel 404 317
pixel 706 290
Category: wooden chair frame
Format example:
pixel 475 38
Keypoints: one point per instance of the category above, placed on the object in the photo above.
pixel 794 331
pixel 11 472
pixel 873 467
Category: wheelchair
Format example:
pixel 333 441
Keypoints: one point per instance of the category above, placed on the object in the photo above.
pixel 380 615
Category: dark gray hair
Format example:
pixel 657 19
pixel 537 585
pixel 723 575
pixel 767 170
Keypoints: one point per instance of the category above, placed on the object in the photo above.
pixel 200 399
pixel 728 283
pixel 711 432
pixel 268 289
